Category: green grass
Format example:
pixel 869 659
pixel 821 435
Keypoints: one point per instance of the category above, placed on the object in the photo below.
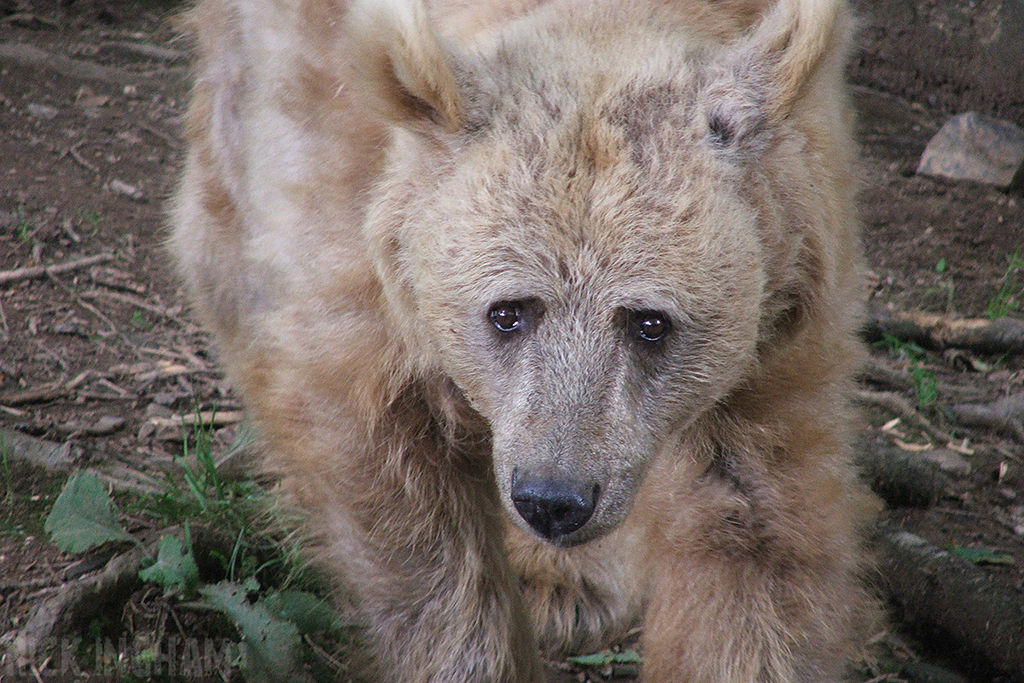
pixel 5 471
pixel 91 217
pixel 925 386
pixel 24 227
pixel 1008 299
pixel 140 322
pixel 240 512
pixel 940 297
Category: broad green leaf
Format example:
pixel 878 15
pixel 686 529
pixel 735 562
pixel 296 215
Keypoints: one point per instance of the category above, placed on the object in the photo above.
pixel 175 569
pixel 605 658
pixel 83 516
pixel 308 612
pixel 272 644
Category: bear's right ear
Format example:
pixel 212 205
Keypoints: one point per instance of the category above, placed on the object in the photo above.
pixel 399 64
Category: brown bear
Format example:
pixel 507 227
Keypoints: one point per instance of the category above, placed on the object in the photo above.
pixel 545 312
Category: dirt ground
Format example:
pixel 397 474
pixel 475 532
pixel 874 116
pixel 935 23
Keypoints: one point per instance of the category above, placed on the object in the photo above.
pixel 102 355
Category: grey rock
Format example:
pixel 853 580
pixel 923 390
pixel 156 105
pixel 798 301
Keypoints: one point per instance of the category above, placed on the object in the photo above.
pixel 973 146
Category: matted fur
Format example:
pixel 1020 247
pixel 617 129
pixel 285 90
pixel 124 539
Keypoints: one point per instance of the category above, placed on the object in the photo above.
pixel 365 180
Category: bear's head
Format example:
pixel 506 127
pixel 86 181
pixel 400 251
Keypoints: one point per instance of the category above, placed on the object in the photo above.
pixel 580 225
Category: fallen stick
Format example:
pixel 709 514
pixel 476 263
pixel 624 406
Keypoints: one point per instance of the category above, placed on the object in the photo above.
pixel 172 428
pixel 1001 335
pixel 172 141
pixel 209 418
pixel 127 299
pixel 31 272
pixel 934 590
pixel 77 156
pixel 35 395
pixel 3 322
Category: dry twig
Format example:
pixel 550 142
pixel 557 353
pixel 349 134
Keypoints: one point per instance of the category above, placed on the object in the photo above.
pixel 170 428
pixel 31 272
pixel 172 142
pixel 87 165
pixel 148 50
pixel 127 299
pixel 35 395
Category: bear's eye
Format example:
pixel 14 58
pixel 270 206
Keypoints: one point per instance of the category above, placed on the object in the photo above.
pixel 651 326
pixel 506 316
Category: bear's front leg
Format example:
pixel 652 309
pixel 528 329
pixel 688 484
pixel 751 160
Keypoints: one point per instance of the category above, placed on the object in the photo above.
pixel 755 573
pixel 410 520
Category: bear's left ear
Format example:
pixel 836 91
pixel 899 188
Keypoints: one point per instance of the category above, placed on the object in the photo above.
pixel 399 65
pixel 798 48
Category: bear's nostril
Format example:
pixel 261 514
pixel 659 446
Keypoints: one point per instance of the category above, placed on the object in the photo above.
pixel 553 508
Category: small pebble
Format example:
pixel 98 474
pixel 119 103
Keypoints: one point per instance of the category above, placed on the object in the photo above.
pixel 42 111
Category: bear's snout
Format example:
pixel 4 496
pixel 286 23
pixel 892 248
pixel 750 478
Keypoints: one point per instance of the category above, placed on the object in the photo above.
pixel 553 507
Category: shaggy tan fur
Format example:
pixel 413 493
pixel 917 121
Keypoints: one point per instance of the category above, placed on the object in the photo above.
pixel 603 245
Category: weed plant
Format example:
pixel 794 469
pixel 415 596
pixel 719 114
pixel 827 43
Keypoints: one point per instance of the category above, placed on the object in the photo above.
pixel 283 630
pixel 1007 300
pixel 925 386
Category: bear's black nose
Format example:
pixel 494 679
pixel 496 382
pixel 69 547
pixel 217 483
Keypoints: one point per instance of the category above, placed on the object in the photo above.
pixel 552 507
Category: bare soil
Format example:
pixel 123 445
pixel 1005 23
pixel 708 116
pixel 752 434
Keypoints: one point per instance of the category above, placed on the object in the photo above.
pixel 96 356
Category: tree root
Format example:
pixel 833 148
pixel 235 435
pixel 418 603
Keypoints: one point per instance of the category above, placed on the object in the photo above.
pixel 900 479
pixel 76 601
pixel 1004 415
pixel 933 590
pixel 30 55
pixel 1001 335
